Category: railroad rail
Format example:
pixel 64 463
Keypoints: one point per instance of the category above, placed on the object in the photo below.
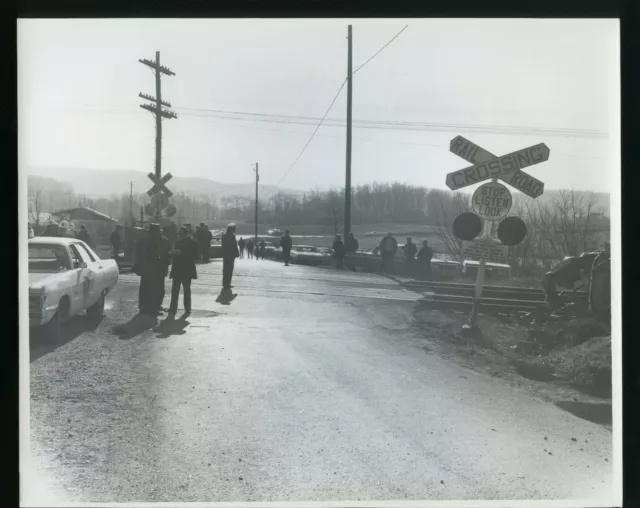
pixel 493 299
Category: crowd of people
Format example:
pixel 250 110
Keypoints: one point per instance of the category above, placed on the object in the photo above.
pixel 155 253
pixel 64 229
pixel 180 248
pixel 255 250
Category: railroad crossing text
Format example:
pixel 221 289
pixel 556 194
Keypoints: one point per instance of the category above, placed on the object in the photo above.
pixel 498 167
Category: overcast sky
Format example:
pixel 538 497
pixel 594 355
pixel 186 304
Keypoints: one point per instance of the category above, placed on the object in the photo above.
pixel 79 107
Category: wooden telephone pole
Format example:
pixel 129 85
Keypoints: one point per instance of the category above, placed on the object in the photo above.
pixel 347 185
pixel 256 211
pixel 158 111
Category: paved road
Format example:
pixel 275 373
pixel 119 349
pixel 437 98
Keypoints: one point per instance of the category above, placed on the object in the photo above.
pixel 310 385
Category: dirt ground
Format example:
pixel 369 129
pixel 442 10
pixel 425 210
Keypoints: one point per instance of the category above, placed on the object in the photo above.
pixel 576 378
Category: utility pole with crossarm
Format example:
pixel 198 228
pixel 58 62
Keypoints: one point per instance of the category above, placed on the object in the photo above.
pixel 160 113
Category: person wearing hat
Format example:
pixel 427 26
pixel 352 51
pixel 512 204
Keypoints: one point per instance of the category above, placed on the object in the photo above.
pixel 152 264
pixel 183 270
pixel 63 230
pixel 229 254
pixel 51 229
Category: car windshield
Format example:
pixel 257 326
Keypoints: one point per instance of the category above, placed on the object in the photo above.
pixel 45 258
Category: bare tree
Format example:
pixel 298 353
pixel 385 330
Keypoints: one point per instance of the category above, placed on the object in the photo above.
pixel 36 202
pixel 443 208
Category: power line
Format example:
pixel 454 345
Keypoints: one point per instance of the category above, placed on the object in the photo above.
pixel 312 135
pixel 382 124
pixel 380 50
pixel 399 125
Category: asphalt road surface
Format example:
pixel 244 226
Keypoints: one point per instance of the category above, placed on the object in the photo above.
pixel 310 385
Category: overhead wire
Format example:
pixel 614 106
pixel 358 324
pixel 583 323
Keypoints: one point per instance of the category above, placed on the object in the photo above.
pixel 380 50
pixel 313 134
pixel 334 100
pixel 393 124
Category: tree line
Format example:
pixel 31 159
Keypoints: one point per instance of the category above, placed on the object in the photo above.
pixel 566 223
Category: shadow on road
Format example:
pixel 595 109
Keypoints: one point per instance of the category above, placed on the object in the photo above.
pixel 40 343
pixel 137 325
pixel 171 326
pixel 597 412
pixel 226 297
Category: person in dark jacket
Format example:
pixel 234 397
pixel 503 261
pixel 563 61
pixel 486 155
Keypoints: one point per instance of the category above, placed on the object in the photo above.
pixel 152 264
pixel 410 250
pixel 116 241
pixel 241 245
pixel 351 245
pixel 51 229
pixel 261 250
pixel 203 239
pixel 84 235
pixel 183 270
pixel 388 249
pixel 250 247
pixel 287 244
pixel 339 252
pixel 229 254
pixel 425 255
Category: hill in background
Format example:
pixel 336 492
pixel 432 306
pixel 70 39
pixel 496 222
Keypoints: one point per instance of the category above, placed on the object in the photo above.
pixel 105 183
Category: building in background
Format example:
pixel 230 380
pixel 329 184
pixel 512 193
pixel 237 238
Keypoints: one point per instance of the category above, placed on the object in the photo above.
pixel 98 224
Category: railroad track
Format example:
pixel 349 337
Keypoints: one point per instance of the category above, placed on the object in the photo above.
pixel 493 299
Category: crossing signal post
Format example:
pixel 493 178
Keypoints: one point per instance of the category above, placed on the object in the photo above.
pixel 493 200
pixel 157 108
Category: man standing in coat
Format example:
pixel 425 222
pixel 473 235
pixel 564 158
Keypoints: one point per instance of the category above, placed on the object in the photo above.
pixel 351 247
pixel 183 270
pixel 424 259
pixel 229 254
pixel 241 244
pixel 116 241
pixel 202 236
pixel 152 264
pixel 410 250
pixel 339 252
pixel 388 249
pixel 287 244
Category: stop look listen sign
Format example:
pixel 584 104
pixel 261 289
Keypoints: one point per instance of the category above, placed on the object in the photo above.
pixel 491 201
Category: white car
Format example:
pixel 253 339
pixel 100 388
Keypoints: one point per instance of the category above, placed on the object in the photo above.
pixel 306 255
pixel 66 277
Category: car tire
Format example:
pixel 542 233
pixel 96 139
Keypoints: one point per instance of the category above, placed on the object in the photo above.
pixel 96 311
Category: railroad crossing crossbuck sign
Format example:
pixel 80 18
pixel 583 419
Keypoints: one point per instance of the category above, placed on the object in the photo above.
pixel 507 168
pixel 159 185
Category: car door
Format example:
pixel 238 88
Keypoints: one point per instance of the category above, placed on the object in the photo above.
pixel 97 267
pixel 79 288
pixel 91 276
